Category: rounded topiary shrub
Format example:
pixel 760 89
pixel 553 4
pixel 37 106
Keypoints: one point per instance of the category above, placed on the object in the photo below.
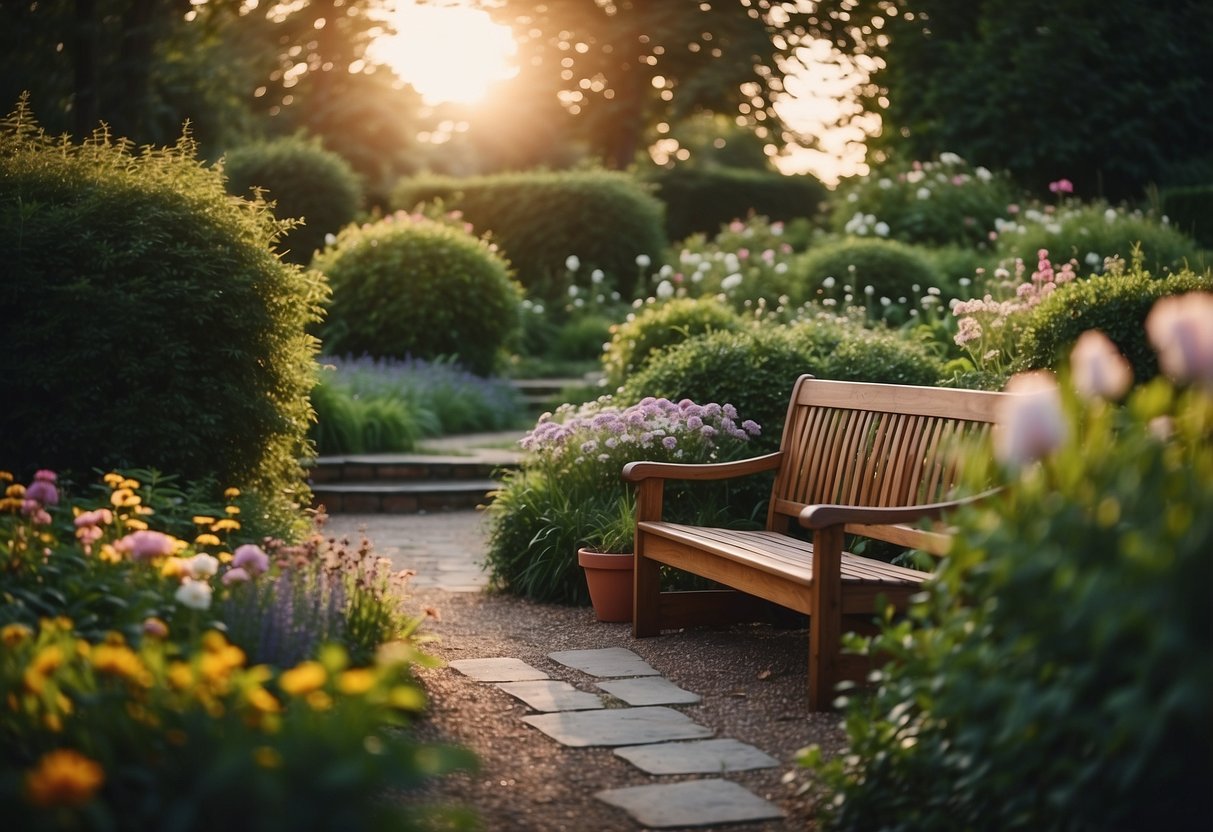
pixel 406 287
pixel 701 200
pixel 304 181
pixel 1092 234
pixel 661 325
pixel 540 220
pixel 890 268
pixel 1117 305
pixel 147 321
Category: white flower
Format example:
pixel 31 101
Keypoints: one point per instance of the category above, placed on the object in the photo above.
pixel 983 174
pixel 781 268
pixel 828 283
pixel 330 238
pixel 1181 329
pixel 572 263
pixel 852 197
pixel 201 566
pixel 643 261
pixel 950 159
pixel 881 229
pixel 538 308
pixel 923 193
pixel 1030 422
pixel 1110 215
pixel 597 276
pixel 731 282
pixel 666 270
pixel 885 183
pixel 1093 260
pixel 572 291
pixel 194 594
pixel 915 176
pixel 665 289
pixel 1100 371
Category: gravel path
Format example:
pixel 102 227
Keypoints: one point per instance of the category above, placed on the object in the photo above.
pixel 751 678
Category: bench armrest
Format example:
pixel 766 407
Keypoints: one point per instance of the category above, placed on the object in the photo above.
pixel 638 471
pixel 822 516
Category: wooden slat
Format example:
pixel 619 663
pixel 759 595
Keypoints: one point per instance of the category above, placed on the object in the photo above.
pixel 970 405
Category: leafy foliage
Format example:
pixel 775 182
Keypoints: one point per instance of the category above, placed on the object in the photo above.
pixel 148 322
pixel 407 287
pixel 891 269
pixel 1049 679
pixel 1116 305
pixel 304 182
pixel 540 219
pixel 703 199
pixel 659 326
pixel 1189 210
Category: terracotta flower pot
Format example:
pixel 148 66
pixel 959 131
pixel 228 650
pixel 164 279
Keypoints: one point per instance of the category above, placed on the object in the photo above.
pixel 609 577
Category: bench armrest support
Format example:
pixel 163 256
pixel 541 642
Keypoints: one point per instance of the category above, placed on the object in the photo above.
pixel 823 516
pixel 637 471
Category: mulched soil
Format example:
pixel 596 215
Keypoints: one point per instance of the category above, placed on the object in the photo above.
pixel 751 678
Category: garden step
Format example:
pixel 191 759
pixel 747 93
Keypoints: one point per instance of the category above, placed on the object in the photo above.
pixel 544 393
pixel 399 497
pixel 408 467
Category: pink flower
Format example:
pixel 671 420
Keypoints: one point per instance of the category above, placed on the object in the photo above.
pixel 1062 186
pixel 1100 371
pixel 1181 329
pixel 43 490
pixel 155 627
pixel 251 558
pixel 236 575
pixel 144 545
pixel 1030 422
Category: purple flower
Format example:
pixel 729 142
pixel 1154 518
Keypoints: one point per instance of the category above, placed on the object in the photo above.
pixel 43 490
pixel 669 443
pixel 694 423
pixel 236 575
pixel 144 545
pixel 707 431
pixel 751 427
pixel 251 558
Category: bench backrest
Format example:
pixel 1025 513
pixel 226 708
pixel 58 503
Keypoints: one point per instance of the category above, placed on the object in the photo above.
pixel 863 444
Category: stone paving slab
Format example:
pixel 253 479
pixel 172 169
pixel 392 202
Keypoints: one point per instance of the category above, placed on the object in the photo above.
pixel 498 670
pixel 700 757
pixel 691 803
pixel 649 690
pixel 606 662
pixel 618 726
pixel 550 696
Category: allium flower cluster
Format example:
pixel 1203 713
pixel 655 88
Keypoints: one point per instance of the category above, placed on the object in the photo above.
pixel 597 439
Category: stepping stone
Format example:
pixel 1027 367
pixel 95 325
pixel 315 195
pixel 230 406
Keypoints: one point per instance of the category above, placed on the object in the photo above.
pixel 700 757
pixel 649 690
pixel 552 696
pixel 692 803
pixel 498 670
pixel 618 726
pixel 607 662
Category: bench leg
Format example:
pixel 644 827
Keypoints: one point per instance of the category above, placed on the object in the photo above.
pixel 646 597
pixel 825 621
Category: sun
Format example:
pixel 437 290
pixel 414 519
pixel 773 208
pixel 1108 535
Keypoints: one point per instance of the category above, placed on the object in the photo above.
pixel 449 53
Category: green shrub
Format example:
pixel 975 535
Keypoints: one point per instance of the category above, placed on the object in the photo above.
pixel 662 325
pixel 701 200
pixel 352 424
pixel 1116 305
pixel 1190 210
pixel 1093 233
pixel 1054 677
pixel 404 287
pixel 877 269
pixel 937 202
pixel 581 337
pixel 303 180
pixel 540 220
pixel 147 321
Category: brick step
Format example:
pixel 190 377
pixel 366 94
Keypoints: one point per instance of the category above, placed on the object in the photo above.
pixel 406 468
pixel 401 497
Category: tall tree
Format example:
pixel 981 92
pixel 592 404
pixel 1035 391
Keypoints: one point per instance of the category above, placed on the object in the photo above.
pixel 1111 94
pixel 622 67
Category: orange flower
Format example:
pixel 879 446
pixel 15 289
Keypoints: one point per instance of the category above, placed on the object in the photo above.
pixel 63 778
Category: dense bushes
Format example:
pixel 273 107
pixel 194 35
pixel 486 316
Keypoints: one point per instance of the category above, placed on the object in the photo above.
pixel 147 321
pixel 1191 211
pixel 1116 305
pixel 541 219
pixel 413 287
pixel 1054 675
pixel 303 180
pixel 659 326
pixel 892 269
pixel 701 200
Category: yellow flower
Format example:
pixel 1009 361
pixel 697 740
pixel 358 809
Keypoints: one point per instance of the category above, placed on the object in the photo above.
pixel 6 476
pixel 16 491
pixel 406 698
pixel 225 557
pixel 225 525
pixel 206 539
pixel 13 634
pixel 120 660
pixel 303 678
pixel 43 665
pixel 180 675
pixel 63 777
pixel 129 483
pixel 125 497
pixel 113 479
pixel 108 555
pixel 231 493
pixel 203 520
pixel 173 568
pixel 266 757
pixel 136 524
pixel 263 700
pixel 144 510
pixel 318 700
pixel 232 510
pixel 355 682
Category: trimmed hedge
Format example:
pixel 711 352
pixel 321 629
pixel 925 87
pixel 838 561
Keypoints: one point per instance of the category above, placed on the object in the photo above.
pixel 660 326
pixel 423 289
pixel 891 268
pixel 1191 211
pixel 539 219
pixel 701 200
pixel 303 180
pixel 147 321
pixel 1117 305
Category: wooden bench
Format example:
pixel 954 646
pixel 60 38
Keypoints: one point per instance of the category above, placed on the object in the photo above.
pixel 855 458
